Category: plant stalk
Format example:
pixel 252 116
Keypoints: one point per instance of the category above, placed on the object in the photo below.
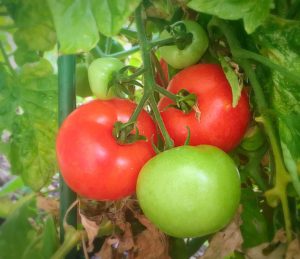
pixel 149 83
pixel 281 175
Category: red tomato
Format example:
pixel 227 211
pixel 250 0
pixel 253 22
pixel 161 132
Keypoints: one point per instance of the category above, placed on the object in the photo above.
pixel 92 163
pixel 165 70
pixel 219 124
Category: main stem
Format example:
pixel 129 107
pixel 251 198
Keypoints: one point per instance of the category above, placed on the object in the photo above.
pixel 281 175
pixel 149 83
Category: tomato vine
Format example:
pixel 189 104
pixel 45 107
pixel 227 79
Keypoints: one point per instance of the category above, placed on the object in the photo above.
pixel 282 177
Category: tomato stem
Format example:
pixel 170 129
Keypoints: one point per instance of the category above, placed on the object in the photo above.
pixel 246 54
pixel 167 93
pixel 149 82
pixel 120 54
pixel 282 178
pixel 72 238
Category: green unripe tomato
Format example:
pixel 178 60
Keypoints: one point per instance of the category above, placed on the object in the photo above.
pixel 189 191
pixel 100 72
pixel 191 54
pixel 82 83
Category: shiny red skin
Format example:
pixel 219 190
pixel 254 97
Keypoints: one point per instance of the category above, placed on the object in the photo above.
pixel 220 124
pixel 90 160
pixel 165 70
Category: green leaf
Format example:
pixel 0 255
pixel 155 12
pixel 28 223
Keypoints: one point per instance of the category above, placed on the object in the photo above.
pixel 279 41
pixel 289 130
pixel 13 185
pixel 24 235
pixel 7 207
pixel 33 20
pixel 23 55
pixel 111 15
pixel 253 12
pixel 75 25
pixel 233 80
pixel 254 227
pixel 17 230
pixel 45 244
pixel 28 110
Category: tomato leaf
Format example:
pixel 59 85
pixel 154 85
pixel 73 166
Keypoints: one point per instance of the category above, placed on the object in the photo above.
pixel 83 35
pixel 29 115
pixel 116 13
pixel 22 228
pixel 14 184
pixel 289 130
pixel 254 226
pixel 34 22
pixel 279 41
pixel 233 80
pixel 253 12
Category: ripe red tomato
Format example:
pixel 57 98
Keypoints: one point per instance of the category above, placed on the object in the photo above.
pixel 165 70
pixel 218 124
pixel 92 163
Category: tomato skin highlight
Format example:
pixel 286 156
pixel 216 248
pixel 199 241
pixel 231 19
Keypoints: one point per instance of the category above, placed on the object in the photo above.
pixel 91 162
pixel 219 124
pixel 189 191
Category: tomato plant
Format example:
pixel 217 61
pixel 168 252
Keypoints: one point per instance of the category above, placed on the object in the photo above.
pixel 181 57
pixel 92 163
pixel 100 73
pixel 217 122
pixel 186 194
pixel 255 43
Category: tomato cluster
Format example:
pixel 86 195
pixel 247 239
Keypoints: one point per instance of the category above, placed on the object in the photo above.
pixel 186 191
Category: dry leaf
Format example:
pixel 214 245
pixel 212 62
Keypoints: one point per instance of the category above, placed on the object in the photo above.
pixel 106 249
pixel 258 252
pixel 91 228
pixel 150 243
pixel 280 236
pixel 49 205
pixel 226 241
pixel 150 246
pixel 126 240
pixel 293 251
pixel 273 250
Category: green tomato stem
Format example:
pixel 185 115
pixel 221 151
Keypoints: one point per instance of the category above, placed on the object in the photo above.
pixel 169 143
pixel 121 54
pixel 281 175
pixel 149 83
pixel 5 56
pixel 129 33
pixel 246 54
pixel 166 93
pixel 125 53
pixel 72 238
pixel 164 42
pixel 138 109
